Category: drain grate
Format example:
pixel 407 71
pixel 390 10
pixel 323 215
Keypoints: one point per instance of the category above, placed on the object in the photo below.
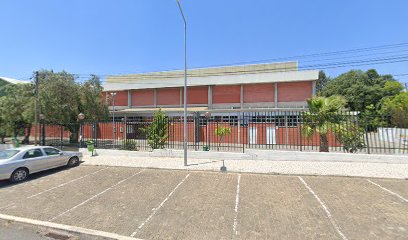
pixel 57 236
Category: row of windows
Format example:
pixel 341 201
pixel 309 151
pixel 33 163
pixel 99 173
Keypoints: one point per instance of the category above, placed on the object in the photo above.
pixel 281 121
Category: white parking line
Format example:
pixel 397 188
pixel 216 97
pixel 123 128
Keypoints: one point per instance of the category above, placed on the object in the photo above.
pixel 158 207
pixel 235 226
pixel 95 196
pixel 67 228
pixel 387 190
pixel 324 208
pixel 61 185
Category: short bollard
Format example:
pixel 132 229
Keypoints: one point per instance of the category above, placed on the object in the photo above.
pixel 223 168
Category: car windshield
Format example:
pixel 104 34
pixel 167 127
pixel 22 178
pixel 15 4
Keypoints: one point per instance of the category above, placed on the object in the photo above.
pixel 5 154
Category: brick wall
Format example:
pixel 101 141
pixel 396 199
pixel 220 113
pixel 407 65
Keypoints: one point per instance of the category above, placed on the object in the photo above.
pixel 254 93
pixel 226 94
pixel 293 92
pixel 168 96
pixel 143 97
pixel 197 95
pixel 121 98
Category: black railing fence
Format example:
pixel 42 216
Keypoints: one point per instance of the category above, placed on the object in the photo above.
pixel 237 131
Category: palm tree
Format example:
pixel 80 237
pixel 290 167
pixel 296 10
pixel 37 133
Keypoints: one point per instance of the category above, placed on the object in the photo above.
pixel 319 120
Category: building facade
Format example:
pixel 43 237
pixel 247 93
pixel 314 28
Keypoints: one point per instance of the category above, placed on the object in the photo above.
pixel 258 86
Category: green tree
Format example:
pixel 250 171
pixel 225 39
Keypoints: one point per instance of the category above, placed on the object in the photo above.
pixel 350 134
pixel 16 110
pixel 59 96
pixel 321 82
pixel 397 107
pixel 3 128
pixel 361 89
pixel 62 99
pixel 320 118
pixel 157 130
pixel 92 103
pixel 222 132
pixel 2 83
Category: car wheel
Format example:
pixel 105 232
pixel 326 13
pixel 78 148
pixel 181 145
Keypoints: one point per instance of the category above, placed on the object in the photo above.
pixel 73 162
pixel 19 175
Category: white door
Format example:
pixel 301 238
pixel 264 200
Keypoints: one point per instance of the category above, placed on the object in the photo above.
pixel 270 135
pixel 252 135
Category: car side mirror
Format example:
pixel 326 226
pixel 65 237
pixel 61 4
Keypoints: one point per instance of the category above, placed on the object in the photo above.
pixel 61 153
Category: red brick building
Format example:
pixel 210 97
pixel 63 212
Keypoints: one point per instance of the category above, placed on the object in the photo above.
pixel 249 98
pixel 259 86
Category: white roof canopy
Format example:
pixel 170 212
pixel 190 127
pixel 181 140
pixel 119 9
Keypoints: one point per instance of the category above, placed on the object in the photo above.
pixel 246 74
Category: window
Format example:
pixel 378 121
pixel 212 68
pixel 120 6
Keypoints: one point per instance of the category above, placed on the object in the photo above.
pixel 8 153
pixel 33 153
pixel 51 151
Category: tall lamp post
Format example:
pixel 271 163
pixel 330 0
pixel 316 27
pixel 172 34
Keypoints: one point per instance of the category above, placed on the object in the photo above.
pixel 185 83
pixel 113 94
pixel 81 117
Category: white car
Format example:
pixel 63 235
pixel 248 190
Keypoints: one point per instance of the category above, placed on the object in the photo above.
pixel 17 163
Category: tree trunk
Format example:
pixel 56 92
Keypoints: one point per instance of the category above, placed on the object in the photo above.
pixel 2 140
pixel 324 143
pixel 27 133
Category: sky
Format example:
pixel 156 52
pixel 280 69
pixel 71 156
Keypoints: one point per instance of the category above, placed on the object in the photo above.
pixel 133 36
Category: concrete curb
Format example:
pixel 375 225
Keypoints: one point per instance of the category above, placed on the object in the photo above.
pixel 70 229
pixel 268 155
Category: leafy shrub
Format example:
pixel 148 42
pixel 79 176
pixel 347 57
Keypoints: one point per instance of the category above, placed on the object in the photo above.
pixel 130 145
pixel 156 132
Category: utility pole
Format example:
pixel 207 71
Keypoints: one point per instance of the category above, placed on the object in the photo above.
pixel 36 125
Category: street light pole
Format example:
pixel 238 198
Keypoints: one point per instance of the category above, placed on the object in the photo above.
pixel 185 83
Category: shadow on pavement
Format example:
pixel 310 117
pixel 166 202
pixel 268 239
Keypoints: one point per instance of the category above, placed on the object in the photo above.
pixel 34 176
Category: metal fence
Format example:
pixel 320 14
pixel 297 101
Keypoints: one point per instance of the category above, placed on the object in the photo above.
pixel 237 131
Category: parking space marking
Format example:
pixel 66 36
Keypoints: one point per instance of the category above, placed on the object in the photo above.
pixel 158 207
pixel 387 190
pixel 95 196
pixel 67 228
pixel 236 206
pixel 324 208
pixel 63 184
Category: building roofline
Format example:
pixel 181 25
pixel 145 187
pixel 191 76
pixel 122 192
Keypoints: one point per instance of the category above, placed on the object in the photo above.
pixel 13 81
pixel 128 83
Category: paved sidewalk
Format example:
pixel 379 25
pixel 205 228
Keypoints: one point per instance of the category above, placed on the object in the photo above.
pixel 13 230
pixel 353 169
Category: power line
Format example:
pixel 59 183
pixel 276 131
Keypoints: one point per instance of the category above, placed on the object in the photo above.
pixel 381 47
pixel 82 77
pixel 296 57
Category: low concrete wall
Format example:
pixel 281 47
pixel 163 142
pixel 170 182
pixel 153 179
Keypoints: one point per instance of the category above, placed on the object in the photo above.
pixel 268 155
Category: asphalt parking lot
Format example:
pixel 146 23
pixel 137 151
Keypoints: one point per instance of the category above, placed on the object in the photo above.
pixel 171 204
